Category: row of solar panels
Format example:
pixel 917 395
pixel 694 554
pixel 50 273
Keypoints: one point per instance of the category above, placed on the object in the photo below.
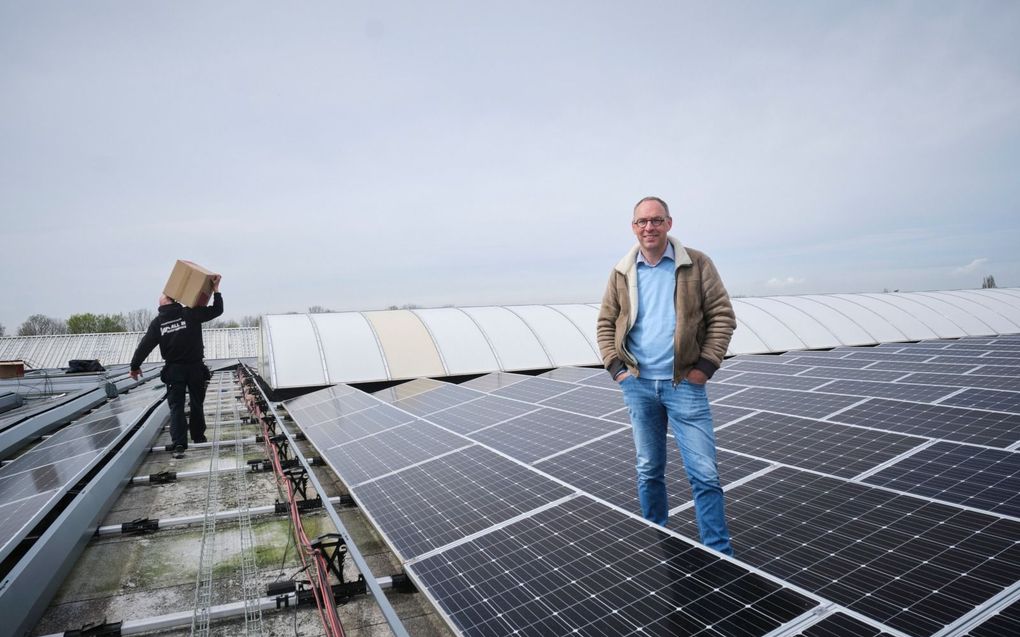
pixel 32 484
pixel 851 475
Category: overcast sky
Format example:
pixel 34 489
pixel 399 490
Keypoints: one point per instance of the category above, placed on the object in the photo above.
pixel 361 155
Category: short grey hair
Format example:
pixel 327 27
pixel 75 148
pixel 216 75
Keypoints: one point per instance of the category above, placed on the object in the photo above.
pixel 662 203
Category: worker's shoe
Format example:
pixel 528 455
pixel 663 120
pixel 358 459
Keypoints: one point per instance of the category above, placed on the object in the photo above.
pixel 200 439
pixel 179 451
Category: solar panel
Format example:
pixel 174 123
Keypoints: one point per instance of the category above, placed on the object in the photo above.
pixel 724 414
pixel 534 389
pixel 986 399
pixel 408 389
pixel 894 507
pixel 935 421
pixel 1005 622
pixel 446 499
pixel 478 414
pixel 831 361
pixel 986 381
pixel 717 390
pixel 982 478
pixel 841 625
pixel 366 422
pixel 758 366
pixel 962 360
pixel 436 399
pixel 874 355
pixel 391 450
pixel 900 390
pixel 572 374
pixel 494 381
pixel 581 568
pixel 812 444
pixel 35 480
pixel 759 379
pixel 543 433
pixel 591 401
pixel 601 380
pixel 843 373
pixel 915 565
pixel 922 367
pixel 997 370
pixel 797 403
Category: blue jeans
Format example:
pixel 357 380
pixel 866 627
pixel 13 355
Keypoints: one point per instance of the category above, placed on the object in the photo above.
pixel 653 403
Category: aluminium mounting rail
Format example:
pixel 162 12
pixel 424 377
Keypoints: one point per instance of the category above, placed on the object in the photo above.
pixel 374 588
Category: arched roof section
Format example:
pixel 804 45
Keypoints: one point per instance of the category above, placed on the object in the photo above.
pixel 514 342
pixel 400 344
pixel 560 337
pixel 845 330
pixel 459 341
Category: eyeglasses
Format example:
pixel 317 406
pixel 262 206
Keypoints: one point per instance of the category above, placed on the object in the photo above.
pixel 655 221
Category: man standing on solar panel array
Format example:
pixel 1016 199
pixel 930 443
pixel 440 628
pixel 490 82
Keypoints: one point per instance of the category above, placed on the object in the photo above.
pixel 663 329
pixel 178 332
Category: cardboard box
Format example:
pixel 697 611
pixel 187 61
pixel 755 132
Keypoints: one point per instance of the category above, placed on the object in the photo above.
pixel 12 369
pixel 190 284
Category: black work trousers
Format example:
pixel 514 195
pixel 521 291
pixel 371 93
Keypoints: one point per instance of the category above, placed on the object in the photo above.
pixel 181 377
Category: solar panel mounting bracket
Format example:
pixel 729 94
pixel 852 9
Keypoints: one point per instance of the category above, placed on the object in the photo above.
pixel 111 629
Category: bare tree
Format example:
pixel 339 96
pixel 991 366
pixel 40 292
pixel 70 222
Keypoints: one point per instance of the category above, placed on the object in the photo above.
pixel 42 325
pixel 318 309
pixel 988 282
pixel 138 320
pixel 3 330
pixel 250 321
pixel 221 323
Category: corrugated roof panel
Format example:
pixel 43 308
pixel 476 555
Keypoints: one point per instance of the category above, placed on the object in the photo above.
pixel 930 316
pixel 406 344
pixel 515 344
pixel 296 357
pixel 1006 302
pixel 585 318
pixel 806 327
pixel 994 311
pixel 880 329
pixel 937 311
pixel 560 337
pixel 745 341
pixel 462 345
pixel 771 331
pixel 350 348
pixel 914 328
pixel 845 330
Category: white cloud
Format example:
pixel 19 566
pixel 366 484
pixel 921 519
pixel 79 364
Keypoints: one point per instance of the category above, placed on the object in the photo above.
pixel 972 266
pixel 777 282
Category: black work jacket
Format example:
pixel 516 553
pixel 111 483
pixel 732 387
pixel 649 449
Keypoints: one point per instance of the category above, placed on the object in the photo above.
pixel 178 332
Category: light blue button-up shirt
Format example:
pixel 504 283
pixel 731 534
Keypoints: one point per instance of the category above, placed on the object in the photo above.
pixel 651 338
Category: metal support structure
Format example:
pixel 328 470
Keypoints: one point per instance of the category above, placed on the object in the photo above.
pixel 385 607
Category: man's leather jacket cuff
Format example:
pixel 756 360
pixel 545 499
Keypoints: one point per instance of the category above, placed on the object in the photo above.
pixel 706 366
pixel 616 368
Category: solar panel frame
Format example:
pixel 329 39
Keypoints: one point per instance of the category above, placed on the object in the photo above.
pixel 815 445
pixel 867 548
pixel 935 421
pixel 448 498
pixel 543 433
pixel 807 404
pixel 397 448
pixel 604 573
pixel 978 477
pixel 987 399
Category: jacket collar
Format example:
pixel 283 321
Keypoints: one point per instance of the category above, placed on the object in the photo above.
pixel 629 261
